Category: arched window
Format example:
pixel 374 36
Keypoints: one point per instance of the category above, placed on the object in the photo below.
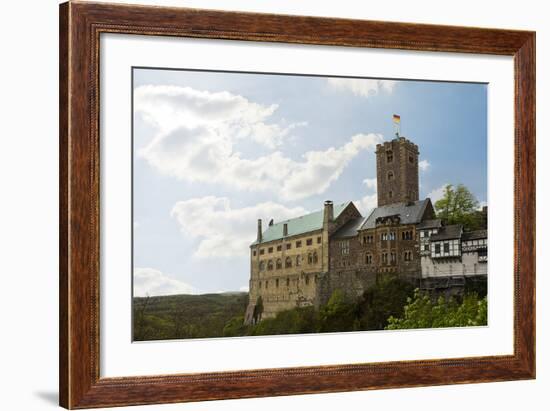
pixel 262 265
pixel 390 175
pixel 315 259
pixel 368 259
pixel 288 262
pixel 279 264
pixel 298 260
pixel 287 281
pixel 310 258
pixel 277 282
pixel 269 265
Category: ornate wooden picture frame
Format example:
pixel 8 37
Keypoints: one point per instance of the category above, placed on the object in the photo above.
pixel 81 25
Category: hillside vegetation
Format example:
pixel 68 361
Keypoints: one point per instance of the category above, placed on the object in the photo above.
pixel 390 304
pixel 185 316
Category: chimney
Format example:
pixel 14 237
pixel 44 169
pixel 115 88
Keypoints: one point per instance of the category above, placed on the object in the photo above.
pixel 259 237
pixel 270 222
pixel 285 229
pixel 328 214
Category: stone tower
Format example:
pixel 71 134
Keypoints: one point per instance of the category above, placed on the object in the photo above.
pixel 397 171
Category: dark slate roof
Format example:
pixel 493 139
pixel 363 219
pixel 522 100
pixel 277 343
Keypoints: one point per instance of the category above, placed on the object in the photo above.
pixel 409 213
pixel 429 224
pixel 448 232
pixel 350 228
pixel 299 225
pixel 474 235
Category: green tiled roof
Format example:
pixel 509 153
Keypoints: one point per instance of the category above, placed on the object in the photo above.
pixel 299 225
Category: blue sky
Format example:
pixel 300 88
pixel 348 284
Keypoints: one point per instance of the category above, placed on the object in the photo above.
pixel 213 152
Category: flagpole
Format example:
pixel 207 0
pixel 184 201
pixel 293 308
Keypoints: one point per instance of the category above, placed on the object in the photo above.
pixel 397 124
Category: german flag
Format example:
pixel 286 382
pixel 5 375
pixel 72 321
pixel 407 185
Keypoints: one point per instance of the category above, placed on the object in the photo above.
pixel 396 119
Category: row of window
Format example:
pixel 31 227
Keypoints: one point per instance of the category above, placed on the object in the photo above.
pixel 475 242
pixel 427 233
pixel 309 241
pixel 277 282
pixel 312 258
pixel 405 235
pixel 389 157
pixel 389 257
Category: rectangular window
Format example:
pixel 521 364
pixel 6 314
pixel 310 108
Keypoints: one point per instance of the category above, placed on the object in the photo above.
pixel 262 251
pixel 446 247
pixel 426 247
pixel 318 240
pixel 288 246
pixel 389 157
pixel 422 234
pixel 254 253
pixel 270 250
pixel 437 248
pixel 298 244
pixel 309 241
pixel 344 247
pixel 279 247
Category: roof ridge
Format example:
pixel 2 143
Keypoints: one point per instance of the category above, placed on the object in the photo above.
pixel 313 212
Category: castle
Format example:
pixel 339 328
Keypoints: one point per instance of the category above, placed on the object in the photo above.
pixel 302 261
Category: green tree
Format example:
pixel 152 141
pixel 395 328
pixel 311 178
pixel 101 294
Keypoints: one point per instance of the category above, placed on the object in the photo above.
pixel 299 320
pixel 459 206
pixel 235 327
pixel 385 299
pixel 337 314
pixel 422 312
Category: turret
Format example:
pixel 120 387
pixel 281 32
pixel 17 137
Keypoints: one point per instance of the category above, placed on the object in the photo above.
pixel 259 236
pixel 328 213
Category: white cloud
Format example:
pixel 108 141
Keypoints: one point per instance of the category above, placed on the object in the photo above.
pixel 152 282
pixel 424 165
pixel 370 183
pixel 223 231
pixel 367 204
pixel 231 117
pixel 197 136
pixel 437 193
pixel 244 288
pixel 362 87
pixel 370 201
pixel 200 155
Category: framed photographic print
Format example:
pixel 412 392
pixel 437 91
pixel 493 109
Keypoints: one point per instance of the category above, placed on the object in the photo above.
pixel 259 205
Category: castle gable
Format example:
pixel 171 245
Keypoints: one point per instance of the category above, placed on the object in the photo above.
pixel 408 213
pixel 349 229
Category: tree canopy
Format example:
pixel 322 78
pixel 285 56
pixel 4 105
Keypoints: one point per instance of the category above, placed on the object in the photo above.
pixel 459 206
pixel 423 312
